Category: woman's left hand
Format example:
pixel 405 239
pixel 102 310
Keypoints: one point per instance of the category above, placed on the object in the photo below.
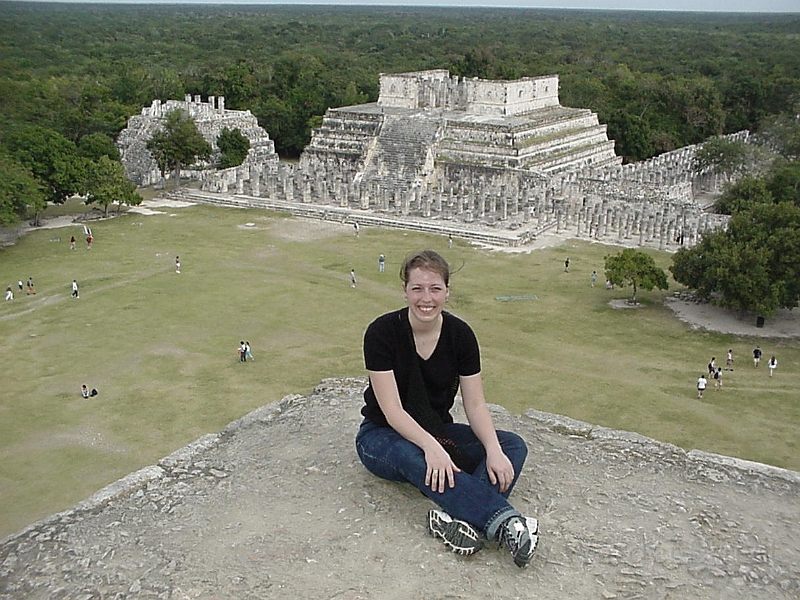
pixel 500 469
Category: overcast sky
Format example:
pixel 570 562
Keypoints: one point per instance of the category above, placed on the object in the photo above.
pixel 772 6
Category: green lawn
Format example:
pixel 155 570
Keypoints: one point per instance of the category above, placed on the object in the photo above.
pixel 161 347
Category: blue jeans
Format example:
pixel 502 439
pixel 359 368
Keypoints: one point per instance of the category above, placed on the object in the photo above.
pixel 474 499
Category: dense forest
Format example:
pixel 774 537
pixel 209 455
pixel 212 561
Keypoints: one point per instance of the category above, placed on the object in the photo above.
pixel 659 80
pixel 71 75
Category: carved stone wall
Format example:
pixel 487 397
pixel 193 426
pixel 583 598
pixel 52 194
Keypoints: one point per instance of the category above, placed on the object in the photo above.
pixel 210 117
pixel 469 153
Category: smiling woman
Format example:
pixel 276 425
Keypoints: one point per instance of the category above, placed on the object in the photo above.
pixel 417 358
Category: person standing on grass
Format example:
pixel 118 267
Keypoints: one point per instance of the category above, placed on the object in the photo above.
pixel 772 365
pixel 9 293
pixel 352 278
pixel 381 263
pixel 702 382
pixel 712 366
pixel 594 277
pixel 729 360
pixel 247 352
pixel 566 266
pixel 242 352
pixel 75 289
pixel 718 379
pixel 417 357
pixel 89 240
pixel 756 356
pixel 31 287
pixel 20 285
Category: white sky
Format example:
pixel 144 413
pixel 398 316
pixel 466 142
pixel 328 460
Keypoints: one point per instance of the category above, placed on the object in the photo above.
pixel 765 6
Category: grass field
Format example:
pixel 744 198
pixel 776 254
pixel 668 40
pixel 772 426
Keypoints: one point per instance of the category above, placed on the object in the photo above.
pixel 161 347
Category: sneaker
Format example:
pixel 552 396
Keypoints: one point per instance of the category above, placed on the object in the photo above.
pixel 461 537
pixel 520 536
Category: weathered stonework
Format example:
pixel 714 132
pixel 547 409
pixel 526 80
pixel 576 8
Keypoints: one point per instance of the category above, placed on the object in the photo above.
pixel 465 156
pixel 210 117
pixel 277 505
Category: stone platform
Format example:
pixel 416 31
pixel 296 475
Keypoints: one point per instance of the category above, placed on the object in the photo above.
pixel 277 505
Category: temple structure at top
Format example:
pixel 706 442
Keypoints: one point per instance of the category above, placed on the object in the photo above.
pixel 441 152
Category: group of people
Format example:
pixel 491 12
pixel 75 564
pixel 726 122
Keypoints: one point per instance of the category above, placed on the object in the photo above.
pixel 715 372
pixel 73 241
pixel 21 286
pixel 32 289
pixel 772 363
pixel 244 352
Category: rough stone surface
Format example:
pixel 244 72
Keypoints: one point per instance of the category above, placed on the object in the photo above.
pixel 278 506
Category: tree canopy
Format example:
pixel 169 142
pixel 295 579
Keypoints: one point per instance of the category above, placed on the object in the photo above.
pixel 659 80
pixel 52 159
pixel 754 266
pixel 178 144
pixel 106 183
pixel 233 148
pixel 636 269
pixel 20 192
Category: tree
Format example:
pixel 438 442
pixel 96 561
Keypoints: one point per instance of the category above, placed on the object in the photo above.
pixel 722 156
pixel 754 266
pixel 782 133
pixel 743 195
pixel 52 159
pixel 637 269
pixel 233 148
pixel 95 145
pixel 106 183
pixel 20 192
pixel 178 144
pixel 784 183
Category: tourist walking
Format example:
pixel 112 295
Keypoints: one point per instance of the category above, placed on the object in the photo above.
pixel 712 366
pixel 718 379
pixel 381 263
pixel 9 293
pixel 75 289
pixel 593 277
pixel 729 361
pixel 355 226
pixel 247 352
pixel 772 365
pixel 566 266
pixel 352 278
pixel 72 243
pixel 178 264
pixel 417 357
pixel 242 352
pixel 756 356
pixel 31 287
pixel 702 382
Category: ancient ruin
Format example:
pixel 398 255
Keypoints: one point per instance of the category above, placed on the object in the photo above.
pixel 496 161
pixel 210 117
pixel 277 505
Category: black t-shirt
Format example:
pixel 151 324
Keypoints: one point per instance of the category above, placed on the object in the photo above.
pixel 388 346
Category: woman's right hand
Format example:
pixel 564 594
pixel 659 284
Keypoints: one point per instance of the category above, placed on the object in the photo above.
pixel 440 470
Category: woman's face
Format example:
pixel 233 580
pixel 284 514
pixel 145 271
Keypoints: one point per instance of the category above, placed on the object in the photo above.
pixel 426 294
